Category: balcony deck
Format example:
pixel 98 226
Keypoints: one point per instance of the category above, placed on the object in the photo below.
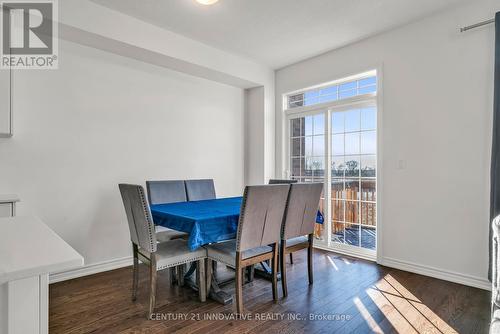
pixel 368 237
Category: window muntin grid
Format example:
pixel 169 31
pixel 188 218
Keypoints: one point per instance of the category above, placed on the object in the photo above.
pixel 353 173
pixel 332 93
pixel 307 148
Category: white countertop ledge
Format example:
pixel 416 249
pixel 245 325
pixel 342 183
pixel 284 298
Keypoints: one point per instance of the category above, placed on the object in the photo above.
pixel 9 198
pixel 29 248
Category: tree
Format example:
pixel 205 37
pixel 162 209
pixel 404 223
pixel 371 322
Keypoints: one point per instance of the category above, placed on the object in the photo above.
pixel 351 165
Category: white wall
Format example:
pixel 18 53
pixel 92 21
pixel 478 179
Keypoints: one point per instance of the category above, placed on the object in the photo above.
pixel 101 119
pixel 254 139
pixel 131 37
pixel 437 112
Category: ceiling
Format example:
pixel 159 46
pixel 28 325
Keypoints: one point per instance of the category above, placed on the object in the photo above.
pixel 278 32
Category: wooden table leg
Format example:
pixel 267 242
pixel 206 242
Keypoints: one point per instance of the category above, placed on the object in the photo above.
pixel 214 290
pixel 217 294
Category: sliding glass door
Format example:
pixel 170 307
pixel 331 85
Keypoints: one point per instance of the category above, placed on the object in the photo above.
pixel 353 177
pixel 337 146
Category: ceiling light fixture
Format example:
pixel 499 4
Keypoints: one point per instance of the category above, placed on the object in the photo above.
pixel 207 2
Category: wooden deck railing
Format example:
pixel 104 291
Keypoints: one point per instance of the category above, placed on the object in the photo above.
pixel 350 213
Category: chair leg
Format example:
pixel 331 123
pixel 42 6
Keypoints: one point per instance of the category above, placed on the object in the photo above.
pixel 214 266
pixel 180 274
pixel 291 258
pixel 275 271
pixel 239 284
pixel 283 268
pixel 310 259
pixel 251 273
pixel 173 275
pixel 135 273
pixel 152 291
pixel 208 274
pixel 201 280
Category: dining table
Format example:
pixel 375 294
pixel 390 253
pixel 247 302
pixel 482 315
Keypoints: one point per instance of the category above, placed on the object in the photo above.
pixel 206 222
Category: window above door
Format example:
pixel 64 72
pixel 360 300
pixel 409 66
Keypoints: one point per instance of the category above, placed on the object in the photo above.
pixel 347 88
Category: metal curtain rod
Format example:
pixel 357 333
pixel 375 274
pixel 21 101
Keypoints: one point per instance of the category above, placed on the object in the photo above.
pixel 479 24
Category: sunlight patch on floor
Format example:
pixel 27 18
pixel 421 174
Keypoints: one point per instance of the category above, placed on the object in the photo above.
pixel 367 316
pixel 405 312
pixel 332 263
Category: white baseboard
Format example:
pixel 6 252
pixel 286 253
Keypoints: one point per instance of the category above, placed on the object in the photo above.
pixel 91 269
pixel 349 251
pixel 476 282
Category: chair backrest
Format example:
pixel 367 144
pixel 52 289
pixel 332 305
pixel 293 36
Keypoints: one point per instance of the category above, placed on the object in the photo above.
pixel 261 215
pixel 162 192
pixel 302 208
pixel 280 181
pixel 198 190
pixel 142 230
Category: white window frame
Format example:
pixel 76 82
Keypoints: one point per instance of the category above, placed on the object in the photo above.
pixel 370 99
pixel 338 82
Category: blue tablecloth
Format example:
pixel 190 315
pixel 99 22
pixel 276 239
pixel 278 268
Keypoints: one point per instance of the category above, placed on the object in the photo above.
pixel 205 221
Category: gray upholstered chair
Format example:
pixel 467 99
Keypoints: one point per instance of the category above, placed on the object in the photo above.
pixel 298 225
pixel 284 181
pixel 163 192
pixel 157 256
pixel 199 190
pixel 258 235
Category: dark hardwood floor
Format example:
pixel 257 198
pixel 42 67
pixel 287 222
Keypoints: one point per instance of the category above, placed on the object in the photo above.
pixel 348 296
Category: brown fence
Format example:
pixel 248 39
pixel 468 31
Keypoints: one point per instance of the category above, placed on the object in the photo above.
pixel 352 197
pixel 346 204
